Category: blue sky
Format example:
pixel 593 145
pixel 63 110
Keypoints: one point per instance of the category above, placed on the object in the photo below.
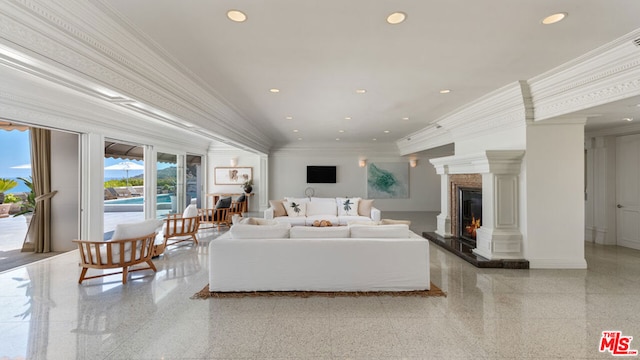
pixel 14 151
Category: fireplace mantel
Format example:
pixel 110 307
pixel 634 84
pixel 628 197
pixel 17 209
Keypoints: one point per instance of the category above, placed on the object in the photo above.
pixel 499 237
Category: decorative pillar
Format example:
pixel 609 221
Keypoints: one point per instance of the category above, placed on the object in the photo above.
pixel 444 218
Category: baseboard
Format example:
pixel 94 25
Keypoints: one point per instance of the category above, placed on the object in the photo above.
pixel 557 263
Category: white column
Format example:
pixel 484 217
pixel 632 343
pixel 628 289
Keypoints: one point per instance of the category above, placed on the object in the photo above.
pixel 263 186
pixel 443 220
pixel 499 235
pixel 92 182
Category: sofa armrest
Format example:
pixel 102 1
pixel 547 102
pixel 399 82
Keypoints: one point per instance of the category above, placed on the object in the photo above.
pixel 376 215
pixel 268 214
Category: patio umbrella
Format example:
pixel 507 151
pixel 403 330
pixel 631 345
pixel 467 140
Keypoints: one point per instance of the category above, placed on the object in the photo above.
pixel 126 166
pixel 23 166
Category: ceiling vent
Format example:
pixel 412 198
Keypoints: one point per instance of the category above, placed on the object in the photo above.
pixel 636 42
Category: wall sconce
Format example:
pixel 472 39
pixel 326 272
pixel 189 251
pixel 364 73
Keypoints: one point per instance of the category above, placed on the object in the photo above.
pixel 233 162
pixel 413 162
pixel 362 163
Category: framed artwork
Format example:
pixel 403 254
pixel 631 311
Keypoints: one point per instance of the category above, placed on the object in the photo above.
pixel 232 175
pixel 388 180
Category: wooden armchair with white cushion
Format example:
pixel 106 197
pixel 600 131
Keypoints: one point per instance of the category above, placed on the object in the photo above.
pixel 179 228
pixel 219 215
pixel 131 244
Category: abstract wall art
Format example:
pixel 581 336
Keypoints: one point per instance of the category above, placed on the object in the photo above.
pixel 388 180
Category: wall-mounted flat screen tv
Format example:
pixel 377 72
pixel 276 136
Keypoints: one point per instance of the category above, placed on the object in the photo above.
pixel 321 174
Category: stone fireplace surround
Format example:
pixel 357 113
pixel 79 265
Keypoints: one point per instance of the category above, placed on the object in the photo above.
pixel 456 181
pixel 497 173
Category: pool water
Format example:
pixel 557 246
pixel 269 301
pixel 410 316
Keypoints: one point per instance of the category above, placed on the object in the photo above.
pixel 162 198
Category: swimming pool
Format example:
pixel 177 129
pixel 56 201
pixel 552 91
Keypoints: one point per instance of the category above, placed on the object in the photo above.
pixel 136 204
pixel 161 198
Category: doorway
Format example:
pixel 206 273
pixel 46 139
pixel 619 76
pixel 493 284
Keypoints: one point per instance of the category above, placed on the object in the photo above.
pixel 628 191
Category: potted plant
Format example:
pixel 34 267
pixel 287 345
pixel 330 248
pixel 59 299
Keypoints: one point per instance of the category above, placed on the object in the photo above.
pixel 6 185
pixel 247 186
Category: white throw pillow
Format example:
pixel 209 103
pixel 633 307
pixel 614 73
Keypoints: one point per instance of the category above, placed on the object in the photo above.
pixel 295 209
pixel 190 211
pixel 135 230
pixel 347 206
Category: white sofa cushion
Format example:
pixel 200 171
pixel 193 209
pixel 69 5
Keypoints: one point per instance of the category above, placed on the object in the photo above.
pixel 347 206
pixel 322 206
pixel 295 209
pixel 293 220
pixel 310 232
pixel 245 231
pixel 346 220
pixel 376 231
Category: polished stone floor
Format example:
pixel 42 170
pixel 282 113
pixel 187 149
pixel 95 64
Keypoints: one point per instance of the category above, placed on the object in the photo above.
pixel 488 313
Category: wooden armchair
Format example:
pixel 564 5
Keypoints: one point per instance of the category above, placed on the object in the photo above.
pixel 216 217
pixel 116 254
pixel 179 228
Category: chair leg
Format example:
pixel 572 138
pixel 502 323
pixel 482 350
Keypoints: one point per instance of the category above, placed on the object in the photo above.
pixel 82 274
pixel 125 272
pixel 194 239
pixel 152 265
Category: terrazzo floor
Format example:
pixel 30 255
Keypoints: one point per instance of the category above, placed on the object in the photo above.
pixel 488 313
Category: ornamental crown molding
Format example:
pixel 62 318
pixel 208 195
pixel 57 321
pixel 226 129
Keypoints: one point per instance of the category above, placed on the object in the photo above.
pixel 90 43
pixel 606 74
pixel 489 161
pixel 506 108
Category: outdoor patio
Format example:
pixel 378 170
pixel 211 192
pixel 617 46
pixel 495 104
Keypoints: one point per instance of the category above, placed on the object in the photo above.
pixel 14 229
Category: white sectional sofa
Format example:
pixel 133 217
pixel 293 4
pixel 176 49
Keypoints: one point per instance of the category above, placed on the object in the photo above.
pixel 279 257
pixel 315 208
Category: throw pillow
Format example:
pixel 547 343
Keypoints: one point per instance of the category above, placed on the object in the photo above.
pixel 190 211
pixel 224 203
pixel 295 209
pixel 135 230
pixel 364 207
pixel 241 198
pixel 347 206
pixel 278 208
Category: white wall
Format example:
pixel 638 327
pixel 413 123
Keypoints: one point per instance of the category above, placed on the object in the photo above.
pixel 287 177
pixel 65 178
pixel 222 158
pixel 555 195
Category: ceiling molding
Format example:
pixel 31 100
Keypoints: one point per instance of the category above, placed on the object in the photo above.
pixel 81 41
pixel 505 108
pixel 336 149
pixel 604 75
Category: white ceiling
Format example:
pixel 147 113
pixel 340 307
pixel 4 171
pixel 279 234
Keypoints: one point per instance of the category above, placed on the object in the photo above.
pixel 318 52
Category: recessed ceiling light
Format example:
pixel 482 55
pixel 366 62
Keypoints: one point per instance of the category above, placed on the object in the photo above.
pixel 405 118
pixel 274 90
pixel 299 138
pixel 627 119
pixel 554 18
pixel 445 91
pixel 236 15
pixel 361 91
pixel 348 118
pixel 340 131
pixel 289 118
pixel 374 139
pixel 296 130
pixel 337 139
pixel 396 18
pixel 387 131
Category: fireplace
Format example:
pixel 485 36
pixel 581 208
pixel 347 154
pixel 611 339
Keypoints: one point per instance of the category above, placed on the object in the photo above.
pixel 469 212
